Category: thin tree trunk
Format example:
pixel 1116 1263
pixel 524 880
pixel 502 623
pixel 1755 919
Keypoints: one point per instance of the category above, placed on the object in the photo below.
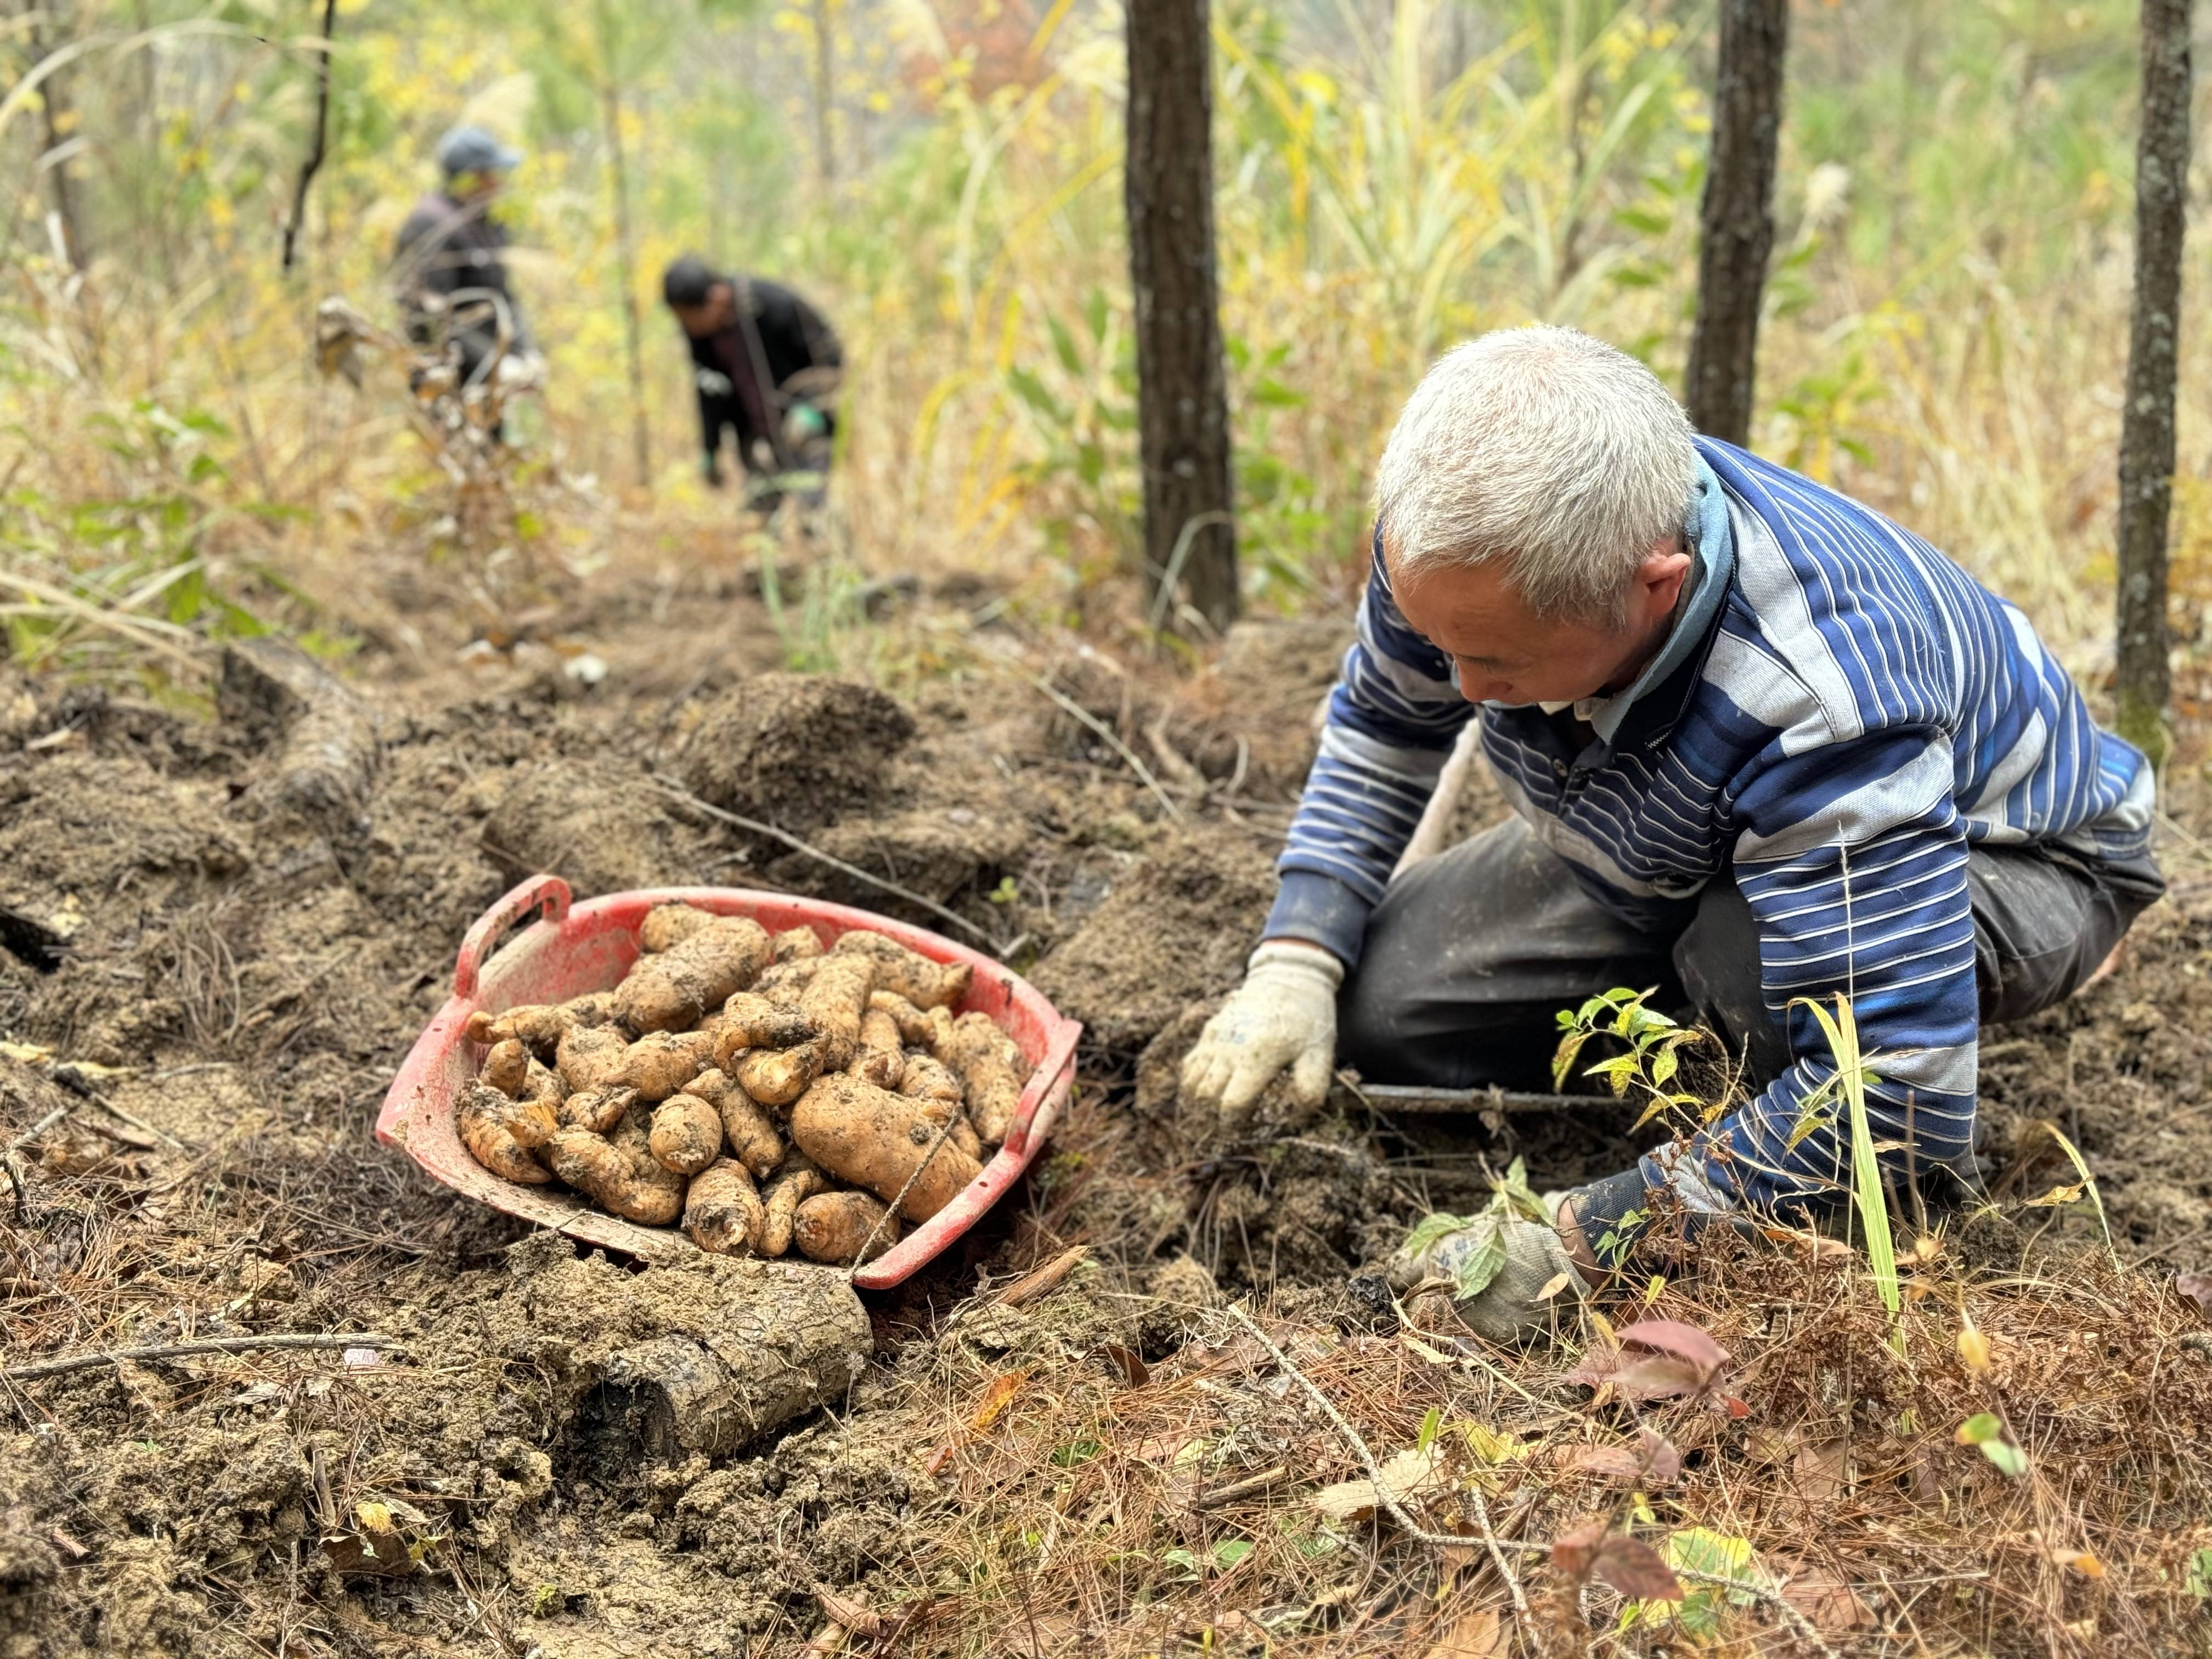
pixel 825 87
pixel 2143 680
pixel 53 97
pixel 314 161
pixel 1736 219
pixel 1183 405
pixel 626 263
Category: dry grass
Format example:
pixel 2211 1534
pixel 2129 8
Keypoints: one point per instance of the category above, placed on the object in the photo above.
pixel 1086 1525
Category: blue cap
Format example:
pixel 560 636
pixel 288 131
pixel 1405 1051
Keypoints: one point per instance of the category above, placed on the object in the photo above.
pixel 471 150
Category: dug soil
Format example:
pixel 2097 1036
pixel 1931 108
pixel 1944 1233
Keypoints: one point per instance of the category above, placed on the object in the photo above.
pixel 221 930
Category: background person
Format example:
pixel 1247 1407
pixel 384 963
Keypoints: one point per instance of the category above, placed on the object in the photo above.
pixel 451 244
pixel 767 366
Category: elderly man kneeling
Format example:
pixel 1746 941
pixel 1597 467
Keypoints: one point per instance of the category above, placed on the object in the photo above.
pixel 1762 743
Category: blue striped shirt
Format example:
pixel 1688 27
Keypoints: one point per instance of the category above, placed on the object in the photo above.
pixel 1857 713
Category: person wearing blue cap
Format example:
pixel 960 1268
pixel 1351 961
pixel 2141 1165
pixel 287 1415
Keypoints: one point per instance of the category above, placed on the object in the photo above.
pixel 452 246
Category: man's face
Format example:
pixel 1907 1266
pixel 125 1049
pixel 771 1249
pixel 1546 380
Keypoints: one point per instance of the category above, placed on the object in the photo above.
pixel 712 315
pixel 1506 654
pixel 478 187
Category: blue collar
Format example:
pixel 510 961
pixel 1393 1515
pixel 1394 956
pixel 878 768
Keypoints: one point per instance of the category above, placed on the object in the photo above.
pixel 1712 549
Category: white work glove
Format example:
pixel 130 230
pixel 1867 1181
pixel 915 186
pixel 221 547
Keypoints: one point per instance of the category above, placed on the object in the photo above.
pixel 1497 1265
pixel 1284 1014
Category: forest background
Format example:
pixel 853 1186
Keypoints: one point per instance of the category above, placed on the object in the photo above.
pixel 1946 333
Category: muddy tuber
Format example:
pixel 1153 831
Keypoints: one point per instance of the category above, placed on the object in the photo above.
pixel 765 1094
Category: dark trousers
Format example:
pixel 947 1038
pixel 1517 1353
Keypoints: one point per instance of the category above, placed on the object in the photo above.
pixel 1472 954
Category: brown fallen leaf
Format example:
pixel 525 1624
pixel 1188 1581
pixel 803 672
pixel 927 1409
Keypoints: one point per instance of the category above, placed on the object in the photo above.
pixel 2197 1287
pixel 996 1398
pixel 1031 1285
pixel 1824 1598
pixel 1818 1468
pixel 858 1618
pixel 1616 1462
pixel 1656 1360
pixel 1628 1564
pixel 1481 1634
pixel 1127 1361
pixel 1410 1476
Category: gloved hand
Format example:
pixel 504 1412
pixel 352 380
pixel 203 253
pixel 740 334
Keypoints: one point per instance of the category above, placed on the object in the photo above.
pixel 1284 1014
pixel 1498 1264
pixel 521 370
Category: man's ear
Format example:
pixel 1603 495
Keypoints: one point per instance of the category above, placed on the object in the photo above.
pixel 1658 581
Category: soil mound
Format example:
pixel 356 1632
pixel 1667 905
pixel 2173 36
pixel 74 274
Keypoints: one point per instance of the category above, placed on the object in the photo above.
pixel 796 750
pixel 600 824
pixel 1172 931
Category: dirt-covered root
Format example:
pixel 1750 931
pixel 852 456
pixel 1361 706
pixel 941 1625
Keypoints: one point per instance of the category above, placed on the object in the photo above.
pixel 322 735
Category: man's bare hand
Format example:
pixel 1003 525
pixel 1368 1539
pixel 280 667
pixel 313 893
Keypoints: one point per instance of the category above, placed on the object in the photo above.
pixel 1282 1015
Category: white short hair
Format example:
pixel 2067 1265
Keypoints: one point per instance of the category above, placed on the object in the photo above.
pixel 1544 447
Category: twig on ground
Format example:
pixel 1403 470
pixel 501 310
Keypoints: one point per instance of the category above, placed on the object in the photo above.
pixel 70 1078
pixel 1800 1625
pixel 39 1128
pixel 211 1345
pixel 1248 1487
pixel 754 826
pixel 1069 706
pixel 1031 1285
pixel 1387 1498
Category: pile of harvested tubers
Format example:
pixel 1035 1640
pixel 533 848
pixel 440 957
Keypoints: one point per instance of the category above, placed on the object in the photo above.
pixel 763 1091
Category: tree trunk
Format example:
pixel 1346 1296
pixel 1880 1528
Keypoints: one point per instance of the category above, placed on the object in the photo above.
pixel 1183 405
pixel 53 94
pixel 1736 218
pixel 825 88
pixel 626 260
pixel 313 163
pixel 2143 681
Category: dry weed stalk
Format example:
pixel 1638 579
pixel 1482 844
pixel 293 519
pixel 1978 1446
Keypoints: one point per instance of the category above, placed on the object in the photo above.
pixel 1105 1518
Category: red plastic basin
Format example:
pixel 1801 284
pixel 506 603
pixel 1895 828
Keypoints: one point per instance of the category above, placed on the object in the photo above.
pixel 577 948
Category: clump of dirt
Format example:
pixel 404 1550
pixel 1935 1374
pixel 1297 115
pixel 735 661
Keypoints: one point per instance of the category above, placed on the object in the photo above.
pixel 1170 931
pixel 796 751
pixel 598 821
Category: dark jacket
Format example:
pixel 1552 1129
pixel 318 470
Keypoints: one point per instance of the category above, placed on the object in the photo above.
pixel 778 332
pixel 445 246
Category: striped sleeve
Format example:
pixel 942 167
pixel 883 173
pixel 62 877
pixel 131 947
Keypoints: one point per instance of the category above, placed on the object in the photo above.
pixel 1853 860
pixel 1392 720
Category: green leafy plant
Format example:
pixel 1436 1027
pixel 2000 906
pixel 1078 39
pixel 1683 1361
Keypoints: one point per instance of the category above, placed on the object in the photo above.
pixel 1986 1432
pixel 1651 1058
pixel 1867 1196
pixel 1483 1256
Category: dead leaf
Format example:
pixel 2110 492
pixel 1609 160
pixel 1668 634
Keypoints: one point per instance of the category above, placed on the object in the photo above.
pixel 997 1397
pixel 858 1616
pixel 1574 1552
pixel 1410 1475
pixel 1554 1285
pixel 1128 1362
pixel 1671 1336
pixel 1818 1469
pixel 1031 1285
pixel 1663 1462
pixel 2197 1287
pixel 1634 1568
pixel 1652 1459
pixel 1628 1564
pixel 1616 1462
pixel 1828 1603
pixel 1481 1634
